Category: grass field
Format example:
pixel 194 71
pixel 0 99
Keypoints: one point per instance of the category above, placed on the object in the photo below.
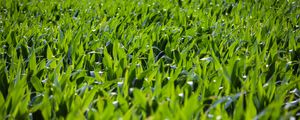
pixel 150 59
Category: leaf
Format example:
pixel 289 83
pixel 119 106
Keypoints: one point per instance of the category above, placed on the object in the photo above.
pixel 107 60
pixel 32 61
pixel 2 102
pixel 37 84
pixel 88 98
pixel 139 99
pixel 49 53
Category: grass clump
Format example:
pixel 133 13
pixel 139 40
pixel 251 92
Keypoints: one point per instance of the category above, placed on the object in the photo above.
pixel 152 59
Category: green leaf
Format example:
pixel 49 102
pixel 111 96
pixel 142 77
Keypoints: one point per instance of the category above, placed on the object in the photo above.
pixel 108 62
pixel 36 82
pixel 32 61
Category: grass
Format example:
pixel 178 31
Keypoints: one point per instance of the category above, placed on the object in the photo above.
pixel 149 59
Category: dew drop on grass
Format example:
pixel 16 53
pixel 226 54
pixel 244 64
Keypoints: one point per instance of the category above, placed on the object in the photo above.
pixel 219 117
pixel 138 65
pixel 296 92
pixel 292 118
pixel 115 103
pixel 44 81
pixel 92 52
pixel 210 115
pixel 113 94
pixel 292 104
pixel 120 84
pixel 181 95
pixel 100 73
pixel 244 76
pixel 266 85
pixel 190 83
pixel 220 88
pixel 267 66
pixel 4 46
pixel 97 82
pixel 209 59
pixel 131 90
pixel 92 73
pixel 173 67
